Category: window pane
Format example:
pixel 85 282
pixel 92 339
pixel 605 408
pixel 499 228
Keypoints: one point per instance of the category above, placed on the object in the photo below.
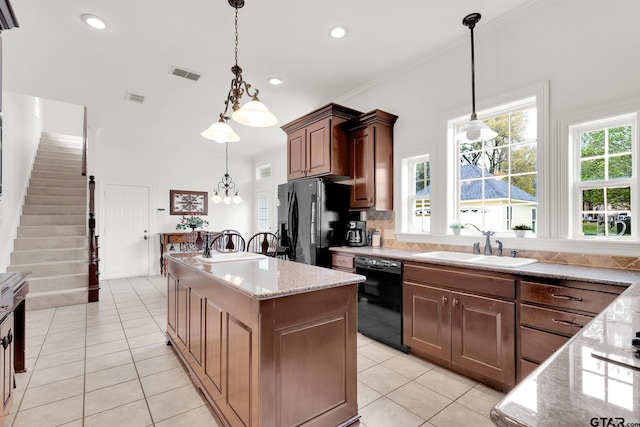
pixel 592 144
pixel 591 170
pixel 593 199
pixel 525 183
pixel 619 198
pixel 620 167
pixel 524 158
pixel 620 139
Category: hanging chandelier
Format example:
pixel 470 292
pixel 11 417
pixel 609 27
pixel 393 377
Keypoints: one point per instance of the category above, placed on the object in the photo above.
pixel 474 129
pixel 253 113
pixel 226 186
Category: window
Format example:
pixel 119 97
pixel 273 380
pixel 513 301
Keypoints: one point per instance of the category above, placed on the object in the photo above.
pixel 419 194
pixel 604 183
pixel 497 179
pixel 263 211
pixel 263 172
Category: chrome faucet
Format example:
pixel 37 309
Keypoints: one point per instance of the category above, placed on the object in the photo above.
pixel 488 250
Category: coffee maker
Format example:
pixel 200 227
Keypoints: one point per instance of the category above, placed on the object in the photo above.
pixel 357 233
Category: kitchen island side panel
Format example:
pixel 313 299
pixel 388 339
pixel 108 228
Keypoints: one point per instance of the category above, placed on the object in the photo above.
pixel 282 361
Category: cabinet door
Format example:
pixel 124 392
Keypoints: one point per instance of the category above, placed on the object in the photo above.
pixel 6 363
pixel 182 314
pixel 172 293
pixel 362 168
pixel 483 336
pixel 427 319
pixel 297 154
pixel 319 148
pixel 195 325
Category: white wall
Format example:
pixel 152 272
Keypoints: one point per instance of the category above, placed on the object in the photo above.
pixel 139 161
pixel 61 117
pixel 20 138
pixel 586 49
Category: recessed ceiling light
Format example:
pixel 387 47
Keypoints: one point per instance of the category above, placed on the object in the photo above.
pixel 338 32
pixel 276 81
pixel 94 21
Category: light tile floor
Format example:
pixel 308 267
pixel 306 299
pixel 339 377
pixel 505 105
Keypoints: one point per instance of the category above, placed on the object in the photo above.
pixel 107 364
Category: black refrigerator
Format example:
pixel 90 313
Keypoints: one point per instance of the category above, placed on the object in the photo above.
pixel 312 216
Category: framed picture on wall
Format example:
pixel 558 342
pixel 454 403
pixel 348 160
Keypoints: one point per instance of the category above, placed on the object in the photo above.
pixel 188 202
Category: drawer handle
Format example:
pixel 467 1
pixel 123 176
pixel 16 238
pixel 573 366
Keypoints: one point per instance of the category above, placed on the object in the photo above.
pixel 444 299
pixel 455 302
pixel 566 297
pixel 566 323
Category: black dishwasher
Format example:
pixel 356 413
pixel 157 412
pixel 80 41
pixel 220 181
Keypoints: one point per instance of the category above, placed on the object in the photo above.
pixel 380 300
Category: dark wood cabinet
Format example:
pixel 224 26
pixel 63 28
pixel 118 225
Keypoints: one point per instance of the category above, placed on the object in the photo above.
pixel 317 144
pixel 551 311
pixel 371 160
pixel 6 363
pixel 462 320
pixel 343 262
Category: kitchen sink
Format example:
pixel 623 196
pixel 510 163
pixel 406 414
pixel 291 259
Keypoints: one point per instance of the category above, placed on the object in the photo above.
pixel 467 258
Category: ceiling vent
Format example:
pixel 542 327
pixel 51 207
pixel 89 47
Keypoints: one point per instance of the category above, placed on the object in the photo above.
pixel 138 99
pixel 181 72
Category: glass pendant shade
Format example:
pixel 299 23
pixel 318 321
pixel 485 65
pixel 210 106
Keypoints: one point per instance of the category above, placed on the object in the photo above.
pixel 254 113
pixel 236 198
pixel 220 132
pixel 216 198
pixel 475 130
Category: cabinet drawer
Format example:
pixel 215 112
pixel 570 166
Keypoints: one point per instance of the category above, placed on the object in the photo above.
pixel 537 346
pixel 565 297
pixel 176 239
pixel 527 368
pixel 561 322
pixel 343 261
pixel 494 285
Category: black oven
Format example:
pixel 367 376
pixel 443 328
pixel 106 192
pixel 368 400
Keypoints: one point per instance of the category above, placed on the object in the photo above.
pixel 380 300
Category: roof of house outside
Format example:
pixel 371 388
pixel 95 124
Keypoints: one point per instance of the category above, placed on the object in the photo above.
pixel 494 188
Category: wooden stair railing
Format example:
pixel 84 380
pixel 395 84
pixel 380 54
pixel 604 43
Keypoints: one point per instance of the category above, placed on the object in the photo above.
pixel 94 272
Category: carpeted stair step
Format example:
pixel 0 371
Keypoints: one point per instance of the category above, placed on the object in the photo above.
pixel 65 242
pixel 48 255
pixel 53 268
pixel 38 220
pixel 47 231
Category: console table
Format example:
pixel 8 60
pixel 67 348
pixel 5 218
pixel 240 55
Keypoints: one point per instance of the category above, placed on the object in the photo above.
pixel 169 240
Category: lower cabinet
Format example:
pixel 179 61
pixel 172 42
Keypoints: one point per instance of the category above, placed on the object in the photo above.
pixel 471 333
pixel 6 364
pixel 551 312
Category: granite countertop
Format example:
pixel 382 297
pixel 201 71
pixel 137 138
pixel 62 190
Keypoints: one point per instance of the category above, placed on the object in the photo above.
pixel 573 387
pixel 608 276
pixel 264 277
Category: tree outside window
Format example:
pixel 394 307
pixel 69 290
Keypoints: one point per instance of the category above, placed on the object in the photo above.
pixel 420 196
pixel 498 178
pixel 606 159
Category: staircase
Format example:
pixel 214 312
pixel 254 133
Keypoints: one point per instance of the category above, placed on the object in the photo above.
pixel 52 238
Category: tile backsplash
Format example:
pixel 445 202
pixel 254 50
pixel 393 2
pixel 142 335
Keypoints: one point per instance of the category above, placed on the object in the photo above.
pixel 385 221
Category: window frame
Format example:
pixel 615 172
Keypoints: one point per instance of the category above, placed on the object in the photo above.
pixel 409 165
pixel 576 185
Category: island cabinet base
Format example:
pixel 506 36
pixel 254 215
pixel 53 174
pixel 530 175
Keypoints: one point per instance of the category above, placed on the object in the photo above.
pixel 280 362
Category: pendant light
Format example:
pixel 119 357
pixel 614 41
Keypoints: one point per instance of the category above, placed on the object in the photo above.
pixel 474 129
pixel 226 186
pixel 253 113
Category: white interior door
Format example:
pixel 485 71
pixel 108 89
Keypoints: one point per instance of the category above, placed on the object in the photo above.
pixel 127 239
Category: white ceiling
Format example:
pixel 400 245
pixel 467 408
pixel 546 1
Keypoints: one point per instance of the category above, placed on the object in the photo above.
pixel 55 55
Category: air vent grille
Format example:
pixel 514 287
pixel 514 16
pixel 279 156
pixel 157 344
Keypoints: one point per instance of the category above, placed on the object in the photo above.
pixel 181 72
pixel 139 99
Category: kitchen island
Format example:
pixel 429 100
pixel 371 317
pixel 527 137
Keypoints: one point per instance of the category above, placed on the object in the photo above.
pixel 269 342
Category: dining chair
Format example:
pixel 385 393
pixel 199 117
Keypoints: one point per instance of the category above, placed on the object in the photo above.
pixel 263 243
pixel 190 241
pixel 228 242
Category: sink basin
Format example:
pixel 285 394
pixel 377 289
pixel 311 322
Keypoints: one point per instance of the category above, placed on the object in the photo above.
pixel 467 258
pixel 500 261
pixel 447 256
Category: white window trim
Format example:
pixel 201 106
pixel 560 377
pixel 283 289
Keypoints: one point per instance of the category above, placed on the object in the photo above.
pixel 259 175
pixel 407 186
pixel 577 185
pixel 268 194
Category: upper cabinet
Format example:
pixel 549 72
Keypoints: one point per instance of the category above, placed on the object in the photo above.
pixel 317 144
pixel 371 160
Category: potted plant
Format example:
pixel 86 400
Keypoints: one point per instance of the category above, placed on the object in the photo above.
pixel 456 227
pixel 521 229
pixel 192 222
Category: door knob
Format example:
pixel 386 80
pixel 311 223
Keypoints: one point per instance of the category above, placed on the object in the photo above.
pixel 145 235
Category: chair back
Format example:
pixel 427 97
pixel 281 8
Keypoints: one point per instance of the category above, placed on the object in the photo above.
pixel 190 241
pixel 228 242
pixel 263 243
